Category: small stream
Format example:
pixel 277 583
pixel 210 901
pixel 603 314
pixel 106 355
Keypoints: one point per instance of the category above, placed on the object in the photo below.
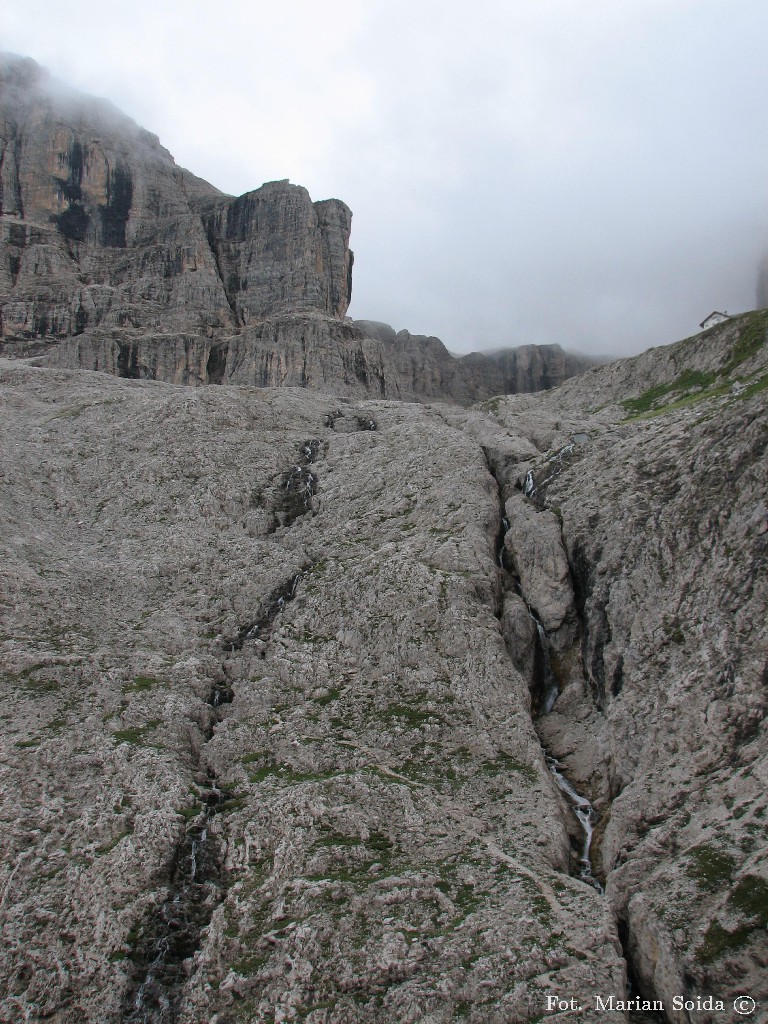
pixel 545 695
pixel 549 691
pixel 585 813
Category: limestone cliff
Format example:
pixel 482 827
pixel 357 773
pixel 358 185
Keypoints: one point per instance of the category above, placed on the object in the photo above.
pixel 113 258
pixel 101 230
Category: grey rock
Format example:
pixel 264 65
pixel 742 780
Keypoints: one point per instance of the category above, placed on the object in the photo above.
pixel 382 833
pixel 102 231
pixel 271 743
pixel 535 549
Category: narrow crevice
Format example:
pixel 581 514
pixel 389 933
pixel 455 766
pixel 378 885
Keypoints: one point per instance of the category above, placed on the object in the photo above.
pixel 171 935
pixel 544 692
pixel 261 627
pixel 580 806
pixel 216 365
pixel 593 638
pixel 642 1011
pixel 164 944
pixel 544 686
pixel 210 237
pixel 349 425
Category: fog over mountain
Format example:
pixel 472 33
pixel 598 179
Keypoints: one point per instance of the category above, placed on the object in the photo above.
pixel 534 174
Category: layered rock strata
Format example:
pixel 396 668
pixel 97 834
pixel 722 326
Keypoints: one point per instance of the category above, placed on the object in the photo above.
pixel 102 230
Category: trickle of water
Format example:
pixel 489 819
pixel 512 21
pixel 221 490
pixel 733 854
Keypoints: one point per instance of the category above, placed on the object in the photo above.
pixel 586 816
pixel 529 488
pixel 551 689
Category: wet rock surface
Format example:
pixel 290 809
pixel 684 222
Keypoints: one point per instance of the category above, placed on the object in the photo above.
pixel 390 841
pixel 661 713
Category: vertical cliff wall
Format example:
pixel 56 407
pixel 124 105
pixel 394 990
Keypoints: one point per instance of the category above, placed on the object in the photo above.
pixel 101 228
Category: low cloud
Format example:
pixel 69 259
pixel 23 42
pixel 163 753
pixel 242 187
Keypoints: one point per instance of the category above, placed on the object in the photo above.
pixel 537 172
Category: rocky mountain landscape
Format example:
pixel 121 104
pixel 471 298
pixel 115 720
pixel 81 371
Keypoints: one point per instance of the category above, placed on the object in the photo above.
pixel 325 706
pixel 114 258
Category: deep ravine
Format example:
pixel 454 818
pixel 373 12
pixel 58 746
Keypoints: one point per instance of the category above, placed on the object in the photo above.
pixel 544 693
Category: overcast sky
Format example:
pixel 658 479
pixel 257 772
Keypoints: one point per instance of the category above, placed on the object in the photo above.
pixel 588 172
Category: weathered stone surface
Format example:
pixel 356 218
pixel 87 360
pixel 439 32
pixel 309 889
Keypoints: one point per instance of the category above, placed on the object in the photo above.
pixel 278 252
pixel 661 715
pixel 101 230
pixel 386 841
pixel 535 551
pixel 519 630
pixel 250 601
pixel 425 369
pixel 272 742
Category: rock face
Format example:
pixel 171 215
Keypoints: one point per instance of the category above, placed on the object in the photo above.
pixel 424 368
pixel 274 743
pixel 315 351
pixel 101 230
pixel 662 701
pixel 113 258
pixel 278 252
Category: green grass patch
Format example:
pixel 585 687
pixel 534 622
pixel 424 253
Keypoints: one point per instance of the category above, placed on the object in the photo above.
pixel 333 694
pixel 751 897
pixel 189 812
pixel 710 868
pixel 491 405
pixel 687 381
pixel 754 387
pixel 409 715
pixel 141 684
pixel 231 804
pixel 504 764
pixel 694 385
pixel 137 734
pixel 718 941
pixel 751 339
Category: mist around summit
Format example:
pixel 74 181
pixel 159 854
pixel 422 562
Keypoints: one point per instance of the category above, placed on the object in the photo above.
pixel 532 174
